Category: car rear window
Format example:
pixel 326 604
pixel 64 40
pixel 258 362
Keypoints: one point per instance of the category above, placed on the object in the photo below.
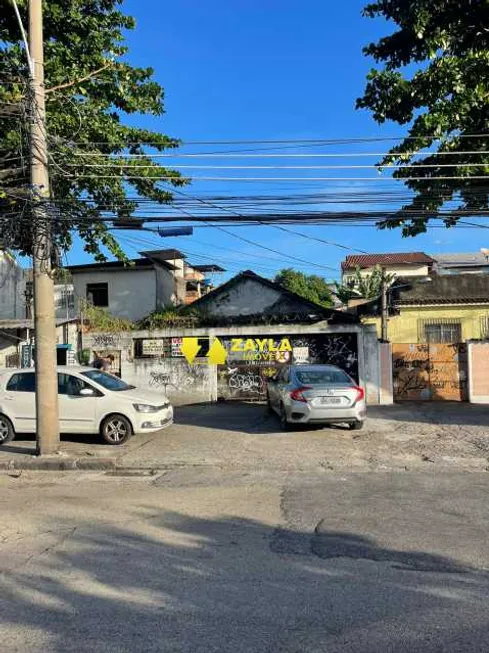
pixel 318 377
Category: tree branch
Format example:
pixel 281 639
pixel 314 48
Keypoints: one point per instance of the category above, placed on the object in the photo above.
pixel 82 79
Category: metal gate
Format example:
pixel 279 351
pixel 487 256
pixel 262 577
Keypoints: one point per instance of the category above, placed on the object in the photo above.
pixel 429 372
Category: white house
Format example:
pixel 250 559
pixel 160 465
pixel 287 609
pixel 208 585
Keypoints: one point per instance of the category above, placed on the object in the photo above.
pixel 408 264
pixel 158 280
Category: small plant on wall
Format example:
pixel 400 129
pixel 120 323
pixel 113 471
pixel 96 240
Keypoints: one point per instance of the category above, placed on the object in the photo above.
pixel 96 318
pixel 169 318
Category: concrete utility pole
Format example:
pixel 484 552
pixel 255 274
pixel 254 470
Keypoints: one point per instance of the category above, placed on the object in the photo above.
pixel 44 313
pixel 384 310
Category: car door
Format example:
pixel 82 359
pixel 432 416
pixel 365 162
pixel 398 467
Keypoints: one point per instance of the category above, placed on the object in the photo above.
pixel 280 385
pixel 76 410
pixel 19 401
pixel 273 389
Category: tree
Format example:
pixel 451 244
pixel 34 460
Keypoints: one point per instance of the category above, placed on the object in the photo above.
pixel 363 286
pixel 445 101
pixel 89 87
pixel 309 286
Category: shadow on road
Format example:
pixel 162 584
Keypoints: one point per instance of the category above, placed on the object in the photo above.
pixel 241 417
pixel 167 582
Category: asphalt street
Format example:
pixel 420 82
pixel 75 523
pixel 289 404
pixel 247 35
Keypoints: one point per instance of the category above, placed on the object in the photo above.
pixel 203 559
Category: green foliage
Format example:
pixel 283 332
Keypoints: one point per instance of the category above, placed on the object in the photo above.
pixel 309 286
pixel 89 87
pixel 84 356
pixel 99 319
pixel 444 101
pixel 368 286
pixel 169 318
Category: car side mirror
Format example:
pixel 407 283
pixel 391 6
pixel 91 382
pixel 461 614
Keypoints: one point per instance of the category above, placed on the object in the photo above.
pixel 87 392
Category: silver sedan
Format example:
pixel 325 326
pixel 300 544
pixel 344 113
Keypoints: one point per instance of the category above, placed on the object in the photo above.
pixel 316 394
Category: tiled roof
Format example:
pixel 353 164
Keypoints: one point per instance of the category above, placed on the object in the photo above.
pixel 398 258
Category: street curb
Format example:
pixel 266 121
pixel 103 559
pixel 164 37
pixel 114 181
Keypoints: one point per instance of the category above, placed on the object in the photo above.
pixel 59 463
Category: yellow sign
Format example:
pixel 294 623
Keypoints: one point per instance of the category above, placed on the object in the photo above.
pixel 217 353
pixel 252 349
pixel 260 345
pixel 190 348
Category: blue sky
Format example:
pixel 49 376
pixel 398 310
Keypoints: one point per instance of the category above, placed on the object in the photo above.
pixel 267 70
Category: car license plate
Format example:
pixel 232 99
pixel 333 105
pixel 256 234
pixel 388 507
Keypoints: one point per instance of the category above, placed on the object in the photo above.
pixel 330 400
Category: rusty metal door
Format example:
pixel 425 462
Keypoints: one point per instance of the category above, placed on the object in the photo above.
pixel 429 372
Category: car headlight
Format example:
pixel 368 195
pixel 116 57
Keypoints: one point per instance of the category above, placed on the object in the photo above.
pixel 146 408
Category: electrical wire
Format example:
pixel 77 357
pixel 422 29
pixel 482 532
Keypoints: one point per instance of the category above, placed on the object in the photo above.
pixel 296 155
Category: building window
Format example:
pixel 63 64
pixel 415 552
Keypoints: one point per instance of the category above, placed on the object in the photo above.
pixel 98 294
pixel 440 331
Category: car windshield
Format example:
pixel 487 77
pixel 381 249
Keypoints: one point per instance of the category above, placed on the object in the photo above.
pixel 107 381
pixel 319 377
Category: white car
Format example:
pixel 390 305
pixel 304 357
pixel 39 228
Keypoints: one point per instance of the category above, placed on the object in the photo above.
pixel 90 401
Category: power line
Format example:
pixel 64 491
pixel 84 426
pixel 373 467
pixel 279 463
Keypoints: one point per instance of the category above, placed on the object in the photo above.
pixel 287 179
pixel 295 258
pixel 314 141
pixel 296 155
pixel 151 166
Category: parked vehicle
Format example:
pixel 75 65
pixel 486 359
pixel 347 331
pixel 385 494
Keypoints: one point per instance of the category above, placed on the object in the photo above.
pixel 316 394
pixel 90 401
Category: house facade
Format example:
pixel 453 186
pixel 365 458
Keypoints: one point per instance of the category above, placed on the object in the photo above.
pixel 246 330
pixel 159 279
pixel 448 309
pixel 400 264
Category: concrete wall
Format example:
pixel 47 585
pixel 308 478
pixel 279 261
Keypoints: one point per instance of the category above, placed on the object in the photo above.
pixel 185 383
pixel 403 328
pixel 478 377
pixel 170 290
pixel 132 292
pixel 386 389
pixel 12 287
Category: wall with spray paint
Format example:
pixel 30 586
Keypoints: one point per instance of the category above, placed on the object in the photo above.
pixel 158 360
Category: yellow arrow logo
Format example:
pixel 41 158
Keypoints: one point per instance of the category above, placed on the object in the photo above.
pixel 190 348
pixel 217 353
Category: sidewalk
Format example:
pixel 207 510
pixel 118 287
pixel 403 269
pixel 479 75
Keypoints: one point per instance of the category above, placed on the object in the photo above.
pixel 243 436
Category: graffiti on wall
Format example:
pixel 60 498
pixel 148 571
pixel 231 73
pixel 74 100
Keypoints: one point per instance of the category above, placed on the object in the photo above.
pixel 253 360
pixel 105 340
pixel 178 376
pixel 241 380
pixel 429 371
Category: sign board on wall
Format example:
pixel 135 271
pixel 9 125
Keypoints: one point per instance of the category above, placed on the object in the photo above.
pixel 26 356
pixel 176 347
pixel 153 347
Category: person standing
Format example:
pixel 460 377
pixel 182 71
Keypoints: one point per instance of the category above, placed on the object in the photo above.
pixel 104 363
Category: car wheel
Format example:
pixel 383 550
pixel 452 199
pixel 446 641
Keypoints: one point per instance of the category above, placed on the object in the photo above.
pixel 116 429
pixel 356 426
pixel 7 432
pixel 284 423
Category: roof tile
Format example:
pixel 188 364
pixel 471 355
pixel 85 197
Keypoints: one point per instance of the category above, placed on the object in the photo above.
pixel 397 258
